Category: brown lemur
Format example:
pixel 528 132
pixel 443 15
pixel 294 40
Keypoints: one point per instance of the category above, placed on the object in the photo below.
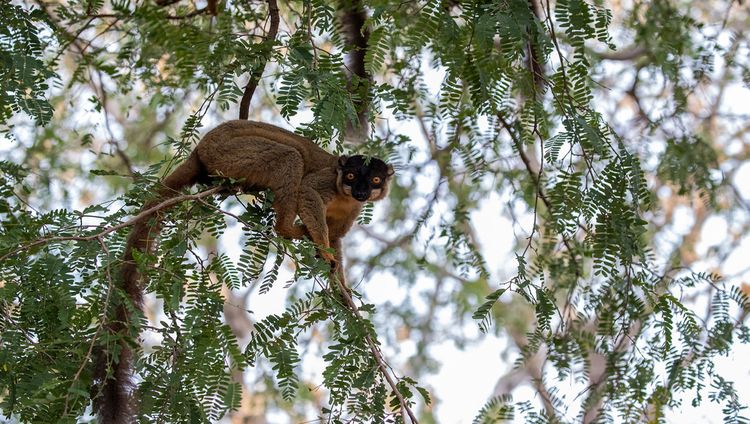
pixel 327 192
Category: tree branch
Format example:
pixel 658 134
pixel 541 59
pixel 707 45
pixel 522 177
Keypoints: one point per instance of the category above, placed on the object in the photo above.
pixel 346 294
pixel 189 15
pixel 353 18
pixel 164 3
pixel 252 84
pixel 102 320
pixel 535 65
pixel 141 216
pixel 116 16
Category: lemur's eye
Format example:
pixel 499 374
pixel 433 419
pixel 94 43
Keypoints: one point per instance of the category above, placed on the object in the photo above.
pixel 350 176
pixel 376 180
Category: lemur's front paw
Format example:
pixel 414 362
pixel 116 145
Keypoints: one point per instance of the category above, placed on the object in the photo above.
pixel 334 265
pixel 329 258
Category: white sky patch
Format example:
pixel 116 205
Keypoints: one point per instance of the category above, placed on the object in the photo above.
pixel 495 239
pixel 466 378
pixel 737 262
pixel 713 233
pixel 384 288
pixel 742 181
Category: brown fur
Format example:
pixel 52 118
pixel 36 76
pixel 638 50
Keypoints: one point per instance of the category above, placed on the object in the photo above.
pixel 306 181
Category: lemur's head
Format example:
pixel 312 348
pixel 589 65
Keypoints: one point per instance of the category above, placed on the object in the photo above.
pixel 362 178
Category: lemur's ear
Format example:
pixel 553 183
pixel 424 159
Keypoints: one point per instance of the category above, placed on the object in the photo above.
pixel 390 170
pixel 342 160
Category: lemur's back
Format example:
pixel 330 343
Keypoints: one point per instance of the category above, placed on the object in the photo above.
pixel 231 141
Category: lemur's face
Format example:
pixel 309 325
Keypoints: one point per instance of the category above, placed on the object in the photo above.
pixel 362 179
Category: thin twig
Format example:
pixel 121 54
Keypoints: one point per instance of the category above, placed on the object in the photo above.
pixel 382 364
pixel 143 215
pixel 188 15
pixel 102 320
pixel 376 353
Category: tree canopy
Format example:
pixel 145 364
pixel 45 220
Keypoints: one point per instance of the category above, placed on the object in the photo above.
pixel 571 178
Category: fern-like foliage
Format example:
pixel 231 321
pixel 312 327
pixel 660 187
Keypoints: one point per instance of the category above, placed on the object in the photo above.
pixel 690 164
pixel 24 74
pixel 509 106
pixel 496 410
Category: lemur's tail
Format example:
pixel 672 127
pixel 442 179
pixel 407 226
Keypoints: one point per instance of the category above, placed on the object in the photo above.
pixel 113 395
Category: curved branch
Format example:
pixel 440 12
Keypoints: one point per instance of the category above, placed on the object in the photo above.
pixel 141 216
pixel 354 27
pixel 164 3
pixel 247 95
